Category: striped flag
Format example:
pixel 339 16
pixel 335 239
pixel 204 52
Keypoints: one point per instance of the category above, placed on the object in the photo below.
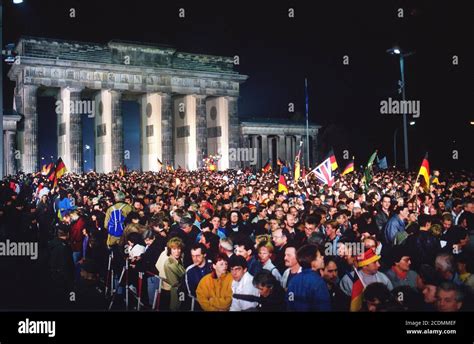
pixel 349 168
pixel 297 172
pixel 324 172
pixel 59 171
pixel 282 186
pixel 425 173
pixel 267 167
pixel 332 157
pixel 356 294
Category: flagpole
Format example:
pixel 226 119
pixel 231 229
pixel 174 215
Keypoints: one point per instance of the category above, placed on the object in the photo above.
pixel 307 119
pixel 358 275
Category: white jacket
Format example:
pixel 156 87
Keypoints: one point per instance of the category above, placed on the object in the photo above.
pixel 245 287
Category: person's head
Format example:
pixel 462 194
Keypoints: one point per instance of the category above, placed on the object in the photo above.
pixel 290 257
pixel 449 298
pixel 215 221
pixel 310 224
pixel 447 222
pixel 244 248
pixel 369 262
pixel 226 246
pixel 279 237
pixel 375 296
pixel 198 254
pixel 134 238
pixel 310 257
pixel 234 217
pixel 238 267
pixel 427 282
pixel 402 212
pixel 175 247
pixel 385 202
pixel 220 264
pixel 424 221
pixel 444 264
pixel 329 272
pixel 265 282
pixel 401 258
pixel 186 224
pixel 149 237
pixel 264 251
pixel 331 229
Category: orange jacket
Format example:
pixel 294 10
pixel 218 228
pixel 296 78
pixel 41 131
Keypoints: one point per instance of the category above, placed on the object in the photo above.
pixel 215 294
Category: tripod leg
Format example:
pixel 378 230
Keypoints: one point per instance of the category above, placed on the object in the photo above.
pixel 140 281
pixel 126 285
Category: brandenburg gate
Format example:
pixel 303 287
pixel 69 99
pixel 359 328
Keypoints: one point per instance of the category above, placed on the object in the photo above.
pixel 188 103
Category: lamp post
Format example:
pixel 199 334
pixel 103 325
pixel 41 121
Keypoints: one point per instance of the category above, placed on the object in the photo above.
pixel 397 51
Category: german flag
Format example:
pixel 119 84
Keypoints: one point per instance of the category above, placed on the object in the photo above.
pixel 332 158
pixel 425 173
pixel 267 167
pixel 280 162
pixel 59 171
pixel 51 172
pixel 349 168
pixel 356 294
pixel 282 186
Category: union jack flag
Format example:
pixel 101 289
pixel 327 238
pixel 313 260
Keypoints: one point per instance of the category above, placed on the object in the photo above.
pixel 324 172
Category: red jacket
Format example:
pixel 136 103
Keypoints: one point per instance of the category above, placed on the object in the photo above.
pixel 76 235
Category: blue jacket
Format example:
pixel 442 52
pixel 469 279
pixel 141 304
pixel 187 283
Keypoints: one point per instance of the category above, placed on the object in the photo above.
pixel 193 276
pixel 307 291
pixel 393 226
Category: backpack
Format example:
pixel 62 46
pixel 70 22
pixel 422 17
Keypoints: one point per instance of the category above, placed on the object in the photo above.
pixel 116 220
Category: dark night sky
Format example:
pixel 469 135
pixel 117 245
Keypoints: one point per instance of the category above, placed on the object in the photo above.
pixel 277 53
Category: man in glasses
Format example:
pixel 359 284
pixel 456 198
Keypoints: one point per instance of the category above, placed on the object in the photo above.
pixel 244 294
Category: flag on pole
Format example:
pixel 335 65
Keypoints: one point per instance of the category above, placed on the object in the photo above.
pixel 332 157
pixel 59 171
pixel 324 172
pixel 349 168
pixel 356 293
pixel 282 186
pixel 425 173
pixel 160 164
pixel 297 164
pixel 267 167
pixel 382 163
pixel 368 170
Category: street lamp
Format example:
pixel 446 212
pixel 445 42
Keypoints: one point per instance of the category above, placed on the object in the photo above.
pixel 397 51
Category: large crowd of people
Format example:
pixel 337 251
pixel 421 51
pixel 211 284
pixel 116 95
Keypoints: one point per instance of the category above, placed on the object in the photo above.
pixel 229 241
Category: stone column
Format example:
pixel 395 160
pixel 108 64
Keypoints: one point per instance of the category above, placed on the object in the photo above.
pixel 255 151
pixel 288 156
pixel 29 153
pixel 233 128
pixel 9 144
pixel 70 129
pixel 109 132
pixel 217 123
pixel 264 149
pixel 9 140
pixel 201 129
pixel 185 132
pixel 167 150
pixel 281 147
pixel 150 132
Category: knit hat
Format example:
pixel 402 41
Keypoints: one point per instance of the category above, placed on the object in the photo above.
pixel 368 257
